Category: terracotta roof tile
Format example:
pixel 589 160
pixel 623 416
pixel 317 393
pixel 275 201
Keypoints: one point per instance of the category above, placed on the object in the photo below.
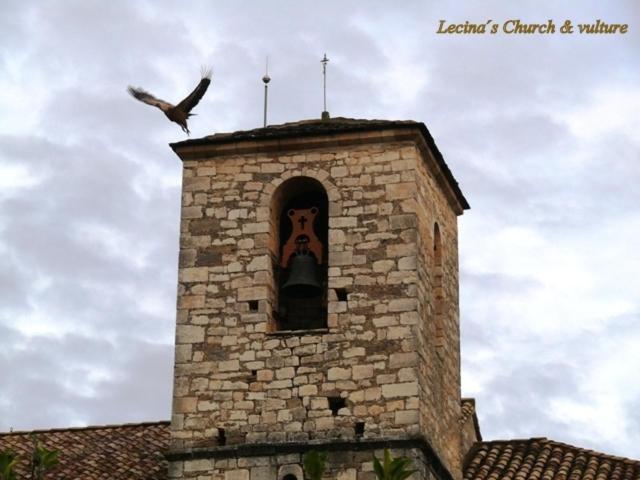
pixel 542 459
pixel 468 412
pixel 467 408
pixel 301 128
pixel 130 451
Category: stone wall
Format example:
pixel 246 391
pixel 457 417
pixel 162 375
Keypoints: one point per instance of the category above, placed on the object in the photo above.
pixel 238 381
pixel 341 465
pixel 439 339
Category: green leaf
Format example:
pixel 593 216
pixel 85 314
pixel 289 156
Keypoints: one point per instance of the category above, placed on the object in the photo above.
pixel 392 468
pixel 42 459
pixel 378 469
pixel 315 464
pixel 8 461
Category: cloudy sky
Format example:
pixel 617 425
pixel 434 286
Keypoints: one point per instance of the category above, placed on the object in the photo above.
pixel 541 131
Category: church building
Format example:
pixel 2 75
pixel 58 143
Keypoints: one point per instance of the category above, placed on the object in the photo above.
pixel 318 308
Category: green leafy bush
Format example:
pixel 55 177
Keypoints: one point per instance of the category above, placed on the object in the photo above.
pixel 392 468
pixel 315 464
pixel 42 459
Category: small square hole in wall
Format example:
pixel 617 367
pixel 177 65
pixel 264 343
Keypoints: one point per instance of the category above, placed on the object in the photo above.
pixel 359 428
pixel 253 305
pixel 336 403
pixel 222 439
pixel 341 293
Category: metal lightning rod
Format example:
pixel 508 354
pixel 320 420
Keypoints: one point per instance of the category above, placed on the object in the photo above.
pixel 324 61
pixel 266 79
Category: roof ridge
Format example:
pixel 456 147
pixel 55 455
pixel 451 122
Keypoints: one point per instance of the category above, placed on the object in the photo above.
pixel 516 440
pixel 88 427
pixel 305 124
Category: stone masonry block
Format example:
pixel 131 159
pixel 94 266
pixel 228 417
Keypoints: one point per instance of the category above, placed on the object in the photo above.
pixel 258 227
pixel 200 465
pixel 402 304
pixel 406 417
pixel 185 404
pixel 189 334
pixel 343 222
pixel 399 191
pixel 253 293
pixel 401 222
pixel 406 389
pixel 383 266
pixel 188 275
pixel 362 371
pixel 263 473
pixel 407 263
pixel 341 258
pixel 400 360
pixel 194 184
pixel 337 373
pixel 191 212
pixel 229 366
pixel 239 474
pixel 262 262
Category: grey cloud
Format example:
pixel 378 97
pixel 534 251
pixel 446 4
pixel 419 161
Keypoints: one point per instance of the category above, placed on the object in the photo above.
pixel 62 371
pixel 13 285
pixel 85 282
pixel 524 380
pixel 519 404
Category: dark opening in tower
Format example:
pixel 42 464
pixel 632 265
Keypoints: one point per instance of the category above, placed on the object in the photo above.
pixel 301 269
pixel 438 289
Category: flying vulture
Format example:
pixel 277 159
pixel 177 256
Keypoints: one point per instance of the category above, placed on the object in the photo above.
pixel 176 113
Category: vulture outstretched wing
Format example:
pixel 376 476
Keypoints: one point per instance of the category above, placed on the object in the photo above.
pixel 194 97
pixel 149 99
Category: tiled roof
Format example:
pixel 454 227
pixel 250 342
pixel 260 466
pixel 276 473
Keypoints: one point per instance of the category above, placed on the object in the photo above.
pixel 542 459
pixel 302 128
pixel 119 452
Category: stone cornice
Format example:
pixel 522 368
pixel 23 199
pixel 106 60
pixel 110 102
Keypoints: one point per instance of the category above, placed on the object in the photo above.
pixel 270 449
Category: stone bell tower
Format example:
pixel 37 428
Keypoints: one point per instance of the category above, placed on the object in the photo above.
pixel 317 302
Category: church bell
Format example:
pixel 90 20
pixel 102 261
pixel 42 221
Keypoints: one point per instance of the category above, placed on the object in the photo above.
pixel 303 277
pixel 301 255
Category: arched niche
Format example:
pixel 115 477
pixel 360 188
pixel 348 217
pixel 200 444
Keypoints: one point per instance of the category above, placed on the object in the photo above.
pixel 290 472
pixel 437 246
pixel 300 232
pixel 438 290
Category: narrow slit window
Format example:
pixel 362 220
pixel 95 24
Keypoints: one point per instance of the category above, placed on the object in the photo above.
pixel 222 439
pixel 336 403
pixel 341 293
